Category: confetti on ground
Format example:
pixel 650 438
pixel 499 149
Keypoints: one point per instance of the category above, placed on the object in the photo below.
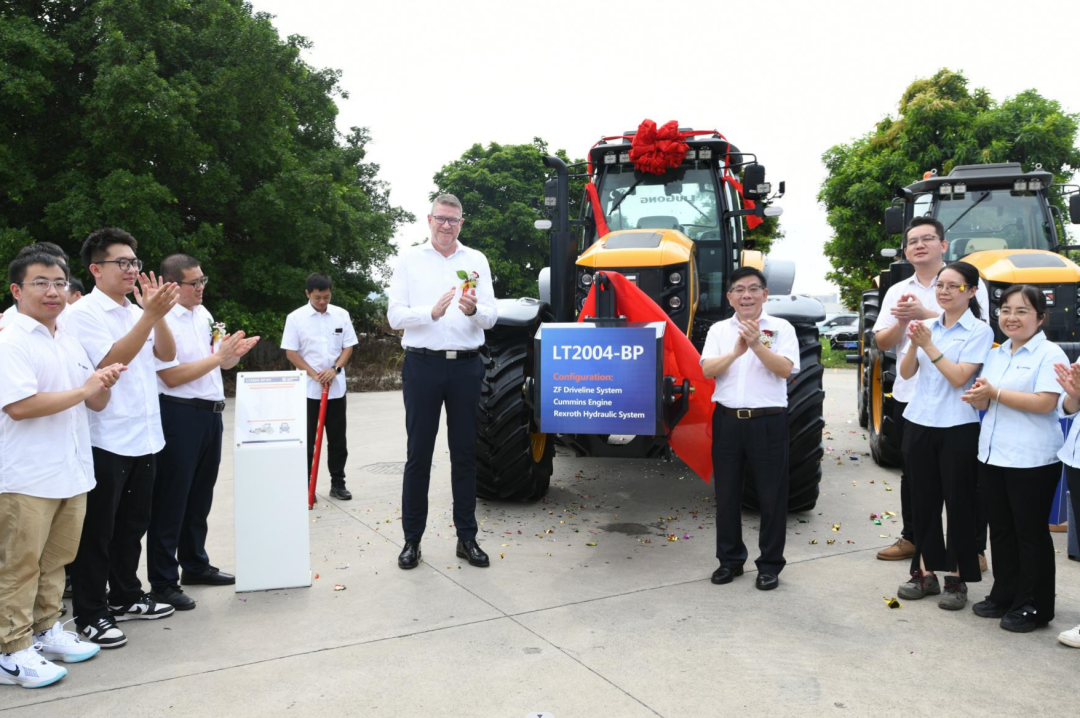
pixel 836 527
pixel 883 535
pixel 591 543
pixel 888 488
pixel 830 541
pixel 672 538
pixel 502 555
pixel 891 602
pixel 813 542
pixel 339 587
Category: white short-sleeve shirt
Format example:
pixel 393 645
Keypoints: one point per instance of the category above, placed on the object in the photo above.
pixel 131 424
pixel 747 383
pixel 1021 439
pixel 192 330
pixel 903 389
pixel 319 338
pixel 48 457
pixel 937 403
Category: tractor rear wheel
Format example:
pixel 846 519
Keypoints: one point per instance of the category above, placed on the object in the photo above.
pixel 871 306
pixel 514 460
pixel 806 399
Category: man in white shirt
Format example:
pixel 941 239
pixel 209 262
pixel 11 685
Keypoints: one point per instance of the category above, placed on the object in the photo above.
pixel 125 437
pixel 319 339
pixel 441 295
pixel 45 471
pixel 915 298
pixel 52 250
pixel 751 355
pixel 192 399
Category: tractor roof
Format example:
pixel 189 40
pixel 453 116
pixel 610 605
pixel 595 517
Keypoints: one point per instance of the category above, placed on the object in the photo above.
pixel 989 175
pixel 715 142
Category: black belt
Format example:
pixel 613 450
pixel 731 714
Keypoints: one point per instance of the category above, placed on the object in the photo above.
pixel 215 406
pixel 752 413
pixel 447 353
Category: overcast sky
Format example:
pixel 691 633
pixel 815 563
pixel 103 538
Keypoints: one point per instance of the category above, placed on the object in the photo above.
pixel 783 79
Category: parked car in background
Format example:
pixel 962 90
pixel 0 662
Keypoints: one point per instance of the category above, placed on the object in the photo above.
pixel 838 320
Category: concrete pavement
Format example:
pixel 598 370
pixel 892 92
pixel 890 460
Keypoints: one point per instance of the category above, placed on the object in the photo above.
pixel 630 626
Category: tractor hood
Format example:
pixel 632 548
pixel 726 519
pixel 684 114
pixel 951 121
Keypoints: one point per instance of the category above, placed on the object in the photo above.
pixel 638 248
pixel 1024 266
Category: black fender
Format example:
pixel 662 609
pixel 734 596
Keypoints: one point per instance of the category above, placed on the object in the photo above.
pixel 523 312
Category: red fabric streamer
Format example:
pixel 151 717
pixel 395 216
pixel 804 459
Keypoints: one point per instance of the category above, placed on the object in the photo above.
pixel 752 221
pixel 598 212
pixel 691 439
pixel 656 150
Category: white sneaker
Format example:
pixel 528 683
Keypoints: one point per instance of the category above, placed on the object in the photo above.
pixel 1070 637
pixel 104 633
pixel 28 669
pixel 60 645
pixel 144 608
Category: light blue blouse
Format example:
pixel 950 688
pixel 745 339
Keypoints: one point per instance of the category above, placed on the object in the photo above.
pixel 1020 439
pixel 937 403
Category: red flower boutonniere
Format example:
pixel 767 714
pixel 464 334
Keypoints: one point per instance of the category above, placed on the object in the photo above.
pixel 766 338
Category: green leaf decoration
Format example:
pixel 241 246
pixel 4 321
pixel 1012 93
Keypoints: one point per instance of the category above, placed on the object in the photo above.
pixel 462 274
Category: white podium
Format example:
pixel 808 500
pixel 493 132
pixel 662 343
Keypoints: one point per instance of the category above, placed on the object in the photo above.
pixel 269 481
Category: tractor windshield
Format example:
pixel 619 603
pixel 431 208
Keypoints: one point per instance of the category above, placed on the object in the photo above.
pixel 994 219
pixel 682 199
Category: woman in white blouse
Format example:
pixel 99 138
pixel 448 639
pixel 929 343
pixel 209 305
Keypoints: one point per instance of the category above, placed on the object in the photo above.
pixel 941 438
pixel 1018 465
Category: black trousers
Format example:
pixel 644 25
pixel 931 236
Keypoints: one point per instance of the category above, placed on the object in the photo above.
pixel 337 448
pixel 1072 479
pixel 429 383
pixel 942 464
pixel 183 493
pixel 117 515
pixel 763 443
pixel 907 530
pixel 1018 503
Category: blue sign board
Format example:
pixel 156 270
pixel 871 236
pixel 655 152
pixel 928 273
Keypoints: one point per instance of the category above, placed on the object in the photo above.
pixel 598 380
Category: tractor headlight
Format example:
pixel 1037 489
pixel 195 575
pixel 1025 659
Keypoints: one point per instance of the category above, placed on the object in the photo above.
pixel 586 280
pixel 997 312
pixel 675 278
pixel 1078 295
pixel 997 294
pixel 674 302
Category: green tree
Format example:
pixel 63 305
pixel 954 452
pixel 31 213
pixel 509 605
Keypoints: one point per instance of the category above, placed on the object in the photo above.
pixel 194 126
pixel 940 124
pixel 498 185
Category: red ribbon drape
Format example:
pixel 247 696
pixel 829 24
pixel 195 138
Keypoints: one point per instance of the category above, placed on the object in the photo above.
pixel 752 221
pixel 691 439
pixel 598 212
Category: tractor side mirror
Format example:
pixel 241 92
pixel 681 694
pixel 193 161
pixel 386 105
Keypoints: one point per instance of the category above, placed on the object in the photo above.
pixel 1074 209
pixel 894 220
pixel 754 185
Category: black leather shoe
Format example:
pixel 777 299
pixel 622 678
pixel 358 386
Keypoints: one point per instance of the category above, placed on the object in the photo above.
pixel 767 581
pixel 174 596
pixel 212 576
pixel 410 555
pixel 988 609
pixel 726 575
pixel 471 551
pixel 340 493
pixel 1021 620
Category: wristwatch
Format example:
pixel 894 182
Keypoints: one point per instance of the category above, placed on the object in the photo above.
pixel 337 369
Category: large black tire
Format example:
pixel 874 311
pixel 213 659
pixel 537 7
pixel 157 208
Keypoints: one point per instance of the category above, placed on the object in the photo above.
pixel 878 372
pixel 514 461
pixel 868 314
pixel 806 399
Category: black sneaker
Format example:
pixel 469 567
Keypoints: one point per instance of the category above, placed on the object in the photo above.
pixel 340 493
pixel 1021 620
pixel 172 595
pixel 144 608
pixel 104 633
pixel 988 609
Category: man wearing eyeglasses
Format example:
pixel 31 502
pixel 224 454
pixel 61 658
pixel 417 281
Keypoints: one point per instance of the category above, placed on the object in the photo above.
pixel 915 298
pixel 751 355
pixel 52 250
pixel 48 385
pixel 319 340
pixel 192 400
pixel 125 437
pixel 441 295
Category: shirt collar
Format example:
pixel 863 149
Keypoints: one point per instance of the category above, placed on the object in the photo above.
pixel 1032 344
pixel 29 324
pixel 312 311
pixel 105 301
pixel 180 311
pixel 967 320
pixel 430 248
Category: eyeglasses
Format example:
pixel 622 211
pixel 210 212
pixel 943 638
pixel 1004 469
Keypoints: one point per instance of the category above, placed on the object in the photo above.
pixel 43 285
pixel 1019 313
pixel 124 264
pixel 953 288
pixel 753 289
pixel 452 221
pixel 924 239
pixel 200 282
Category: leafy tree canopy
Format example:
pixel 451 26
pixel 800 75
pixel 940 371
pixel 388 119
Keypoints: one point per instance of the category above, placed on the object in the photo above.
pixel 497 185
pixel 941 124
pixel 194 126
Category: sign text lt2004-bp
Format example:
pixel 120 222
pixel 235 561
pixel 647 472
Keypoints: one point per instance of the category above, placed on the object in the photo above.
pixel 576 352
pixel 598 380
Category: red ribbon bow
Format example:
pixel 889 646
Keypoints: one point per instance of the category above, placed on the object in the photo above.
pixel 655 150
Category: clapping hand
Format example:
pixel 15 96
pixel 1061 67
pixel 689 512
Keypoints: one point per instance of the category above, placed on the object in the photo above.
pixel 1069 379
pixel 981 392
pixel 467 303
pixel 750 333
pixel 157 296
pixel 444 301
pixel 919 334
pixel 103 379
pixel 908 308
